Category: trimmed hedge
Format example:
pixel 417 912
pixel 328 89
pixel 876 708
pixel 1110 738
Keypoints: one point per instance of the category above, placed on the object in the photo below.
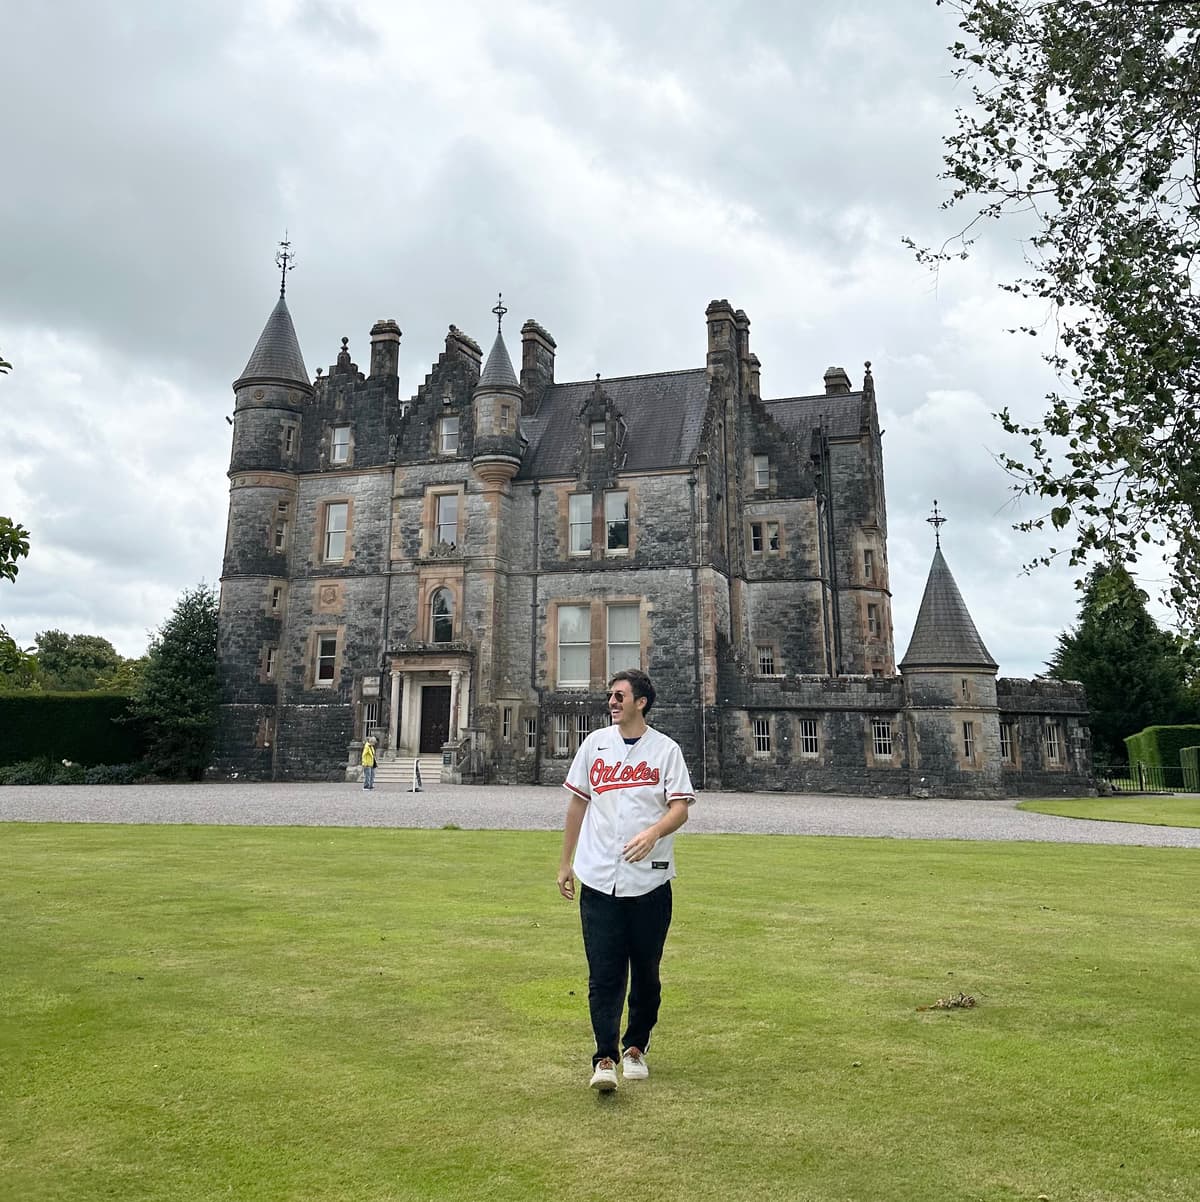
pixel 1189 757
pixel 85 728
pixel 1160 746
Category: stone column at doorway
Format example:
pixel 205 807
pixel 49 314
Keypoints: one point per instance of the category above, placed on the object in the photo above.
pixel 394 715
pixel 455 693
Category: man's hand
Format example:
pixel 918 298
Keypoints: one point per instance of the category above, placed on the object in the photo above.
pixel 566 883
pixel 639 847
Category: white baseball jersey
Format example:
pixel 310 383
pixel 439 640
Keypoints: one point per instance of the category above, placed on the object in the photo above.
pixel 627 788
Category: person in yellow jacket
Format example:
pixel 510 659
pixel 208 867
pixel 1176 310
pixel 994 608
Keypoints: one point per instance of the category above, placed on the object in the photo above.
pixel 368 763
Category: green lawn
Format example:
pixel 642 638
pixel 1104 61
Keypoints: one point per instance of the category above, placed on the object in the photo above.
pixel 1156 811
pixel 360 1015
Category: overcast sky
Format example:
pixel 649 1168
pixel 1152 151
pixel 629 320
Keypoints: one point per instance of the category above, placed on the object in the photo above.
pixel 610 167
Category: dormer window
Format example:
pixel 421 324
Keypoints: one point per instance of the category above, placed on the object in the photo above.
pixel 339 445
pixel 599 436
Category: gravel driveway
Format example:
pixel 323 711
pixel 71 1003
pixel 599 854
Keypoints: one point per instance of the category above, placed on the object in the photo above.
pixel 525 807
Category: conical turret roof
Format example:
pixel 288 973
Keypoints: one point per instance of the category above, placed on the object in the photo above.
pixel 277 354
pixel 498 370
pixel 944 635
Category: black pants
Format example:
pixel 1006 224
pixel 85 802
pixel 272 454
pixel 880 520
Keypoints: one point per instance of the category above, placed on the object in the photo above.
pixel 623 938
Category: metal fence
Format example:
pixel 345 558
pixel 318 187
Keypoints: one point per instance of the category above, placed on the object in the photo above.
pixel 1141 778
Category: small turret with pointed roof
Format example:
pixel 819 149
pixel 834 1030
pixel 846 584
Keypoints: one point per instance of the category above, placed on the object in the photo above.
pixel 276 356
pixel 497 399
pixel 944 635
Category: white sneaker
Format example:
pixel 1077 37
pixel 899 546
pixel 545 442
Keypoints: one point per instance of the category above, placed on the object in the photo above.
pixel 604 1078
pixel 633 1065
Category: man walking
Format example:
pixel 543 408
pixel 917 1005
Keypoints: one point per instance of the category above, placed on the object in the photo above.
pixel 629 792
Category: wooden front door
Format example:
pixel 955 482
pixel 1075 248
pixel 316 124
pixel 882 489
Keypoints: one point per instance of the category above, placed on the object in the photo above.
pixel 435 717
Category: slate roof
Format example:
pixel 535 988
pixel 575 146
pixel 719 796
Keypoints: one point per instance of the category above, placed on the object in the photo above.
pixel 944 635
pixel 498 371
pixel 277 354
pixel 801 415
pixel 663 414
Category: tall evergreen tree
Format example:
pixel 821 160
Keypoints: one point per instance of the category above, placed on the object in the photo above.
pixel 1133 671
pixel 177 694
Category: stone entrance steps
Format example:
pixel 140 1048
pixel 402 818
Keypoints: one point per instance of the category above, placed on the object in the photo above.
pixel 400 771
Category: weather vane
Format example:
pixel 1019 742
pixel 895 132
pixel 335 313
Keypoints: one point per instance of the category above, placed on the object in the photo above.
pixel 937 522
pixel 285 261
pixel 499 310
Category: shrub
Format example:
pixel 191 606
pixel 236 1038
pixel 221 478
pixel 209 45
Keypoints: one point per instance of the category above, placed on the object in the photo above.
pixel 89 728
pixel 1159 746
pixel 1189 757
pixel 68 774
pixel 27 772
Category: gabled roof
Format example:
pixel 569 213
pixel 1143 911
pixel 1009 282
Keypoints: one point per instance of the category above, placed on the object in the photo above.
pixel 841 415
pixel 944 635
pixel 663 416
pixel 277 354
pixel 498 370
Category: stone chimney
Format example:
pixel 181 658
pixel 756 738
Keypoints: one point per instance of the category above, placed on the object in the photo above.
pixel 753 368
pixel 837 382
pixel 385 348
pixel 537 360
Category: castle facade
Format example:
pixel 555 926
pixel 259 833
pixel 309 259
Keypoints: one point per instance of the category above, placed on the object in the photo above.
pixel 458 573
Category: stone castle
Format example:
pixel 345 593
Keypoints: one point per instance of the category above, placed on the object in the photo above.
pixel 459 572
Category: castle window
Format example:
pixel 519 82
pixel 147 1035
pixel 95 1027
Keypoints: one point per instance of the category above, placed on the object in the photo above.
pixel 574 646
pixel 339 445
pixel 868 565
pixel 370 718
pixel 762 472
pixel 881 738
pixel 281 525
pixel 446 530
pixel 562 734
pixel 506 723
pixel 965 689
pixel 810 743
pixel 616 521
pixel 276 598
pixel 326 658
pixel 873 620
pixel 336 513
pixel 969 741
pixel 289 439
pixel 531 734
pixel 1053 744
pixel 579 518
pixel 270 666
pixel 505 419
pixel 762 736
pixel 624 638
pixel 1007 743
pixel 448 436
pixel 599 436
pixel 441 616
pixel 766 660
pixel 764 536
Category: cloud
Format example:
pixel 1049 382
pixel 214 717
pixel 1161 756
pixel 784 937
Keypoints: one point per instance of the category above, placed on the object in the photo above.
pixel 609 168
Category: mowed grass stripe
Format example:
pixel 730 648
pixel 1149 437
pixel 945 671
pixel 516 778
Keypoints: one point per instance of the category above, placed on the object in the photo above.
pixel 298 1013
